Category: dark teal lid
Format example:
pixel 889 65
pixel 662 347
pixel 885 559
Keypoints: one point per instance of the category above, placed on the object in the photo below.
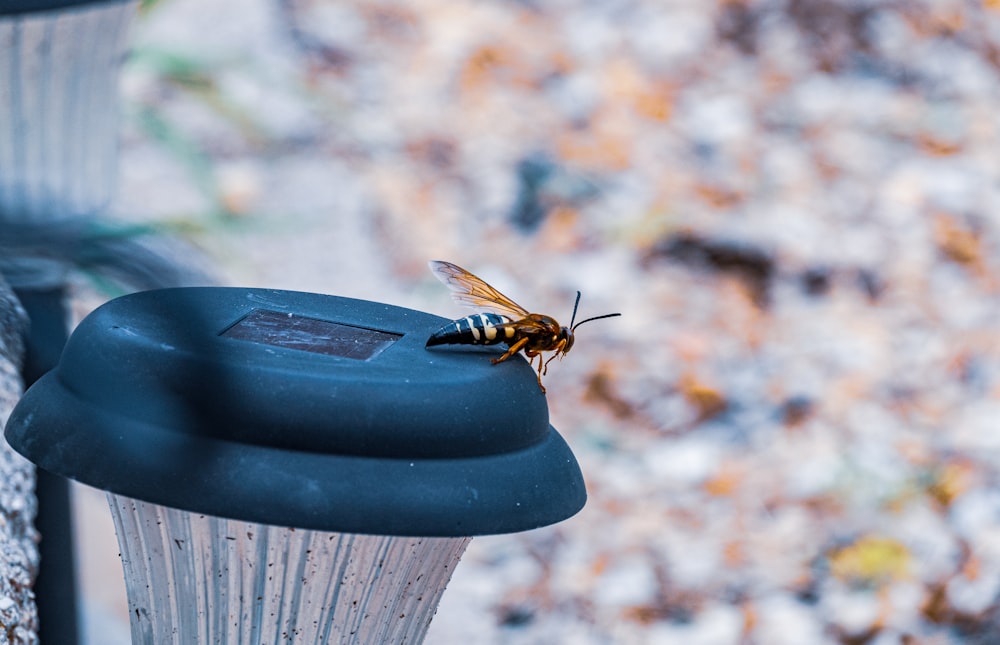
pixel 8 7
pixel 302 410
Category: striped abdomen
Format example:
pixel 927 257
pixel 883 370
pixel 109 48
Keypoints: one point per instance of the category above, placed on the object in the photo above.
pixel 477 329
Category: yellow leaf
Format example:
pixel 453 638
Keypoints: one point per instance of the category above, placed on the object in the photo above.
pixel 871 560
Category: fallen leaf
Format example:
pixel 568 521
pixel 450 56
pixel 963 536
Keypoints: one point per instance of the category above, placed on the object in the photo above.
pixel 871 561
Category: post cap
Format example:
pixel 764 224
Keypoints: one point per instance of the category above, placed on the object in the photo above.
pixel 13 7
pixel 301 410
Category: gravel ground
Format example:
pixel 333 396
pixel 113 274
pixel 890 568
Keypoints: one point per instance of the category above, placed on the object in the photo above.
pixel 18 537
pixel 790 434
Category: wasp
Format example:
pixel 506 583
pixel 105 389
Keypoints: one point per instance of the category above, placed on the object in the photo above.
pixel 505 321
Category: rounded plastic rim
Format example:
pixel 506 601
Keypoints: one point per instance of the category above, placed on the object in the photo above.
pixel 153 399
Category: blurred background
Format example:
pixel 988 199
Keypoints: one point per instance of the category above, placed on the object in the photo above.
pixel 791 434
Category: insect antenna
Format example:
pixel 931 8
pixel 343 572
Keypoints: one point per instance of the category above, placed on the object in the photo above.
pixel 572 326
pixel 594 318
pixel 575 305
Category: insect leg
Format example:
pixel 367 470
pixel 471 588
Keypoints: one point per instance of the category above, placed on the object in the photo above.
pixel 513 349
pixel 532 354
pixel 557 351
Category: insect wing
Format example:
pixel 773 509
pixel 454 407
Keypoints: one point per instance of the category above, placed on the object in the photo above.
pixel 532 325
pixel 474 292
